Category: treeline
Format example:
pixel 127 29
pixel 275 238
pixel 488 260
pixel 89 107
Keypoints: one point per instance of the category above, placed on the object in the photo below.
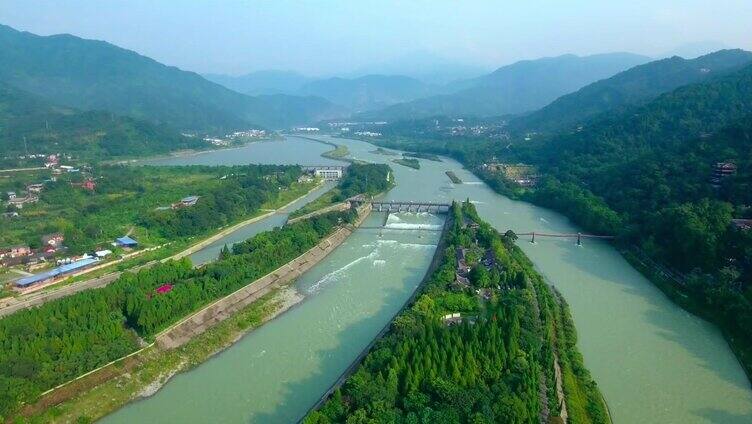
pixel 488 368
pixel 46 346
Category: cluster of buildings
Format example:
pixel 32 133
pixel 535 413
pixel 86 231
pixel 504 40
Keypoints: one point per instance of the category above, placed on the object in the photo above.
pixel 233 137
pixel 520 174
pixel 18 202
pixel 720 172
pixel 51 245
pixel 306 129
pixel 462 272
pixel 359 128
pixel 247 134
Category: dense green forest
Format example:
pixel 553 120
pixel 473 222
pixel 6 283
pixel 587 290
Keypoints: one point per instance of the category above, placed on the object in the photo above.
pixel 30 125
pixel 494 364
pixel 126 199
pixel 644 174
pixel 634 86
pixel 43 347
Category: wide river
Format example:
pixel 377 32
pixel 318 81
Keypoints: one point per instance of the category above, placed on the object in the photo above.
pixel 654 362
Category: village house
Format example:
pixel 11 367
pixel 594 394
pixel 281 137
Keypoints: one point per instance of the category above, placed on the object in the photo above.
pixel 452 319
pixel 54 239
pixel 19 202
pixel 721 171
pixel 89 185
pixel 15 251
pixel 125 241
pixel 185 202
pixel 742 224
pixel 35 188
pixel 489 259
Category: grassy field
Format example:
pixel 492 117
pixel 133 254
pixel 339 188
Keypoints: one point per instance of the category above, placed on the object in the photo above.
pixel 338 153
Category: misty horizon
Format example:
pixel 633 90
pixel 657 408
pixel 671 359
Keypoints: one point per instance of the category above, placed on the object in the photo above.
pixel 340 39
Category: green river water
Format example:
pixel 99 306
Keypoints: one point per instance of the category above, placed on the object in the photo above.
pixel 654 362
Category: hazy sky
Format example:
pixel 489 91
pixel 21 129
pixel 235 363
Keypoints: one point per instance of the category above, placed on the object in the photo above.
pixel 337 36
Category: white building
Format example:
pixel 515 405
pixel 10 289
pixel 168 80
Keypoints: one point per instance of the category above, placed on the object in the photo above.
pixel 328 174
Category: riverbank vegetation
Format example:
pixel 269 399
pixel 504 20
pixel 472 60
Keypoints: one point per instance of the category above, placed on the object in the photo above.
pixel 410 163
pixel 472 349
pixel 382 151
pixel 452 176
pixel 43 347
pixel 426 156
pixel 367 179
pixel 143 201
pixel 339 153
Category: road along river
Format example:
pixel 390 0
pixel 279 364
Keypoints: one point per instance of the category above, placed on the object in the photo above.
pixel 654 362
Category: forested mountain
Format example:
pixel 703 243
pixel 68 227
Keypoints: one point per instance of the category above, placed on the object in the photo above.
pixel 520 87
pixel 368 92
pixel 52 129
pixel 262 82
pixel 631 87
pixel 95 75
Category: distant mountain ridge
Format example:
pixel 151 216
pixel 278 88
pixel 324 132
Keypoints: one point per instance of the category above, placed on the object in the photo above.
pixel 631 87
pixel 262 82
pixel 95 75
pixel 520 87
pixel 368 92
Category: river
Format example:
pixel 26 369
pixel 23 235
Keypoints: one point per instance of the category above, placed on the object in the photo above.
pixel 653 361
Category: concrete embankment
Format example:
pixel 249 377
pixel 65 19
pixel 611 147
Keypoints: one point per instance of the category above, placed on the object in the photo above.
pixel 222 309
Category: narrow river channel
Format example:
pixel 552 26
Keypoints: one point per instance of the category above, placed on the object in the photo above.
pixel 654 362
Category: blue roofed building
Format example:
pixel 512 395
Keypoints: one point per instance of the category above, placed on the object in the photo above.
pixel 55 273
pixel 126 241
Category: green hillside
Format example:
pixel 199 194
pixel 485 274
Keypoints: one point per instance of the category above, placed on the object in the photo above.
pixel 631 87
pixel 520 87
pixel 95 75
pixel 51 129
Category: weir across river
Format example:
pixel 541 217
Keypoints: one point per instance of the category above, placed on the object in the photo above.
pixel 409 206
